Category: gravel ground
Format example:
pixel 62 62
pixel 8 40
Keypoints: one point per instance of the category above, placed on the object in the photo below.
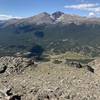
pixel 48 81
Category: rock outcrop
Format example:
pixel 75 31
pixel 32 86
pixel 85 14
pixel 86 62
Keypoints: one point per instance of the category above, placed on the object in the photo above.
pixel 2 68
pixel 14 64
pixel 96 66
pixel 7 95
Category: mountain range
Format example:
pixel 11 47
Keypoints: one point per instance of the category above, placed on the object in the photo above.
pixel 52 33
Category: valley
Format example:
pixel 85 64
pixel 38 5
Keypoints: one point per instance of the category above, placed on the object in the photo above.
pixel 57 34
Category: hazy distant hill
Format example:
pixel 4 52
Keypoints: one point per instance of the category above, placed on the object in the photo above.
pixel 57 32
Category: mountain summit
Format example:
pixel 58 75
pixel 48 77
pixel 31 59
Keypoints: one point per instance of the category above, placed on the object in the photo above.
pixel 54 18
pixel 57 14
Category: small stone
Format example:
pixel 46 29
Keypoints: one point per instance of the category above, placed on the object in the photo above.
pixel 67 97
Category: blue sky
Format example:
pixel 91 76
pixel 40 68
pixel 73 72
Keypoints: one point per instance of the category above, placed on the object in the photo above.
pixel 25 8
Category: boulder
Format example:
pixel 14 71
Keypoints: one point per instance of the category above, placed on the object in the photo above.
pixel 89 68
pixel 2 68
pixel 75 64
pixel 7 95
pixel 95 65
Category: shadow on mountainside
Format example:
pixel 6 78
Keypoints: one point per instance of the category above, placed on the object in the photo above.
pixel 39 34
pixel 36 52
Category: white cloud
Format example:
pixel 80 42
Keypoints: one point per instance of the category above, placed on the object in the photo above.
pixel 83 6
pixel 80 6
pixel 7 17
pixel 92 8
pixel 92 14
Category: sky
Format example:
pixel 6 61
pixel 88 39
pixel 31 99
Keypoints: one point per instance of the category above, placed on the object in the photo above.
pixel 25 8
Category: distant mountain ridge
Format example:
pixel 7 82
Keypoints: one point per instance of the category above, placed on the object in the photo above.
pixel 57 32
pixel 56 17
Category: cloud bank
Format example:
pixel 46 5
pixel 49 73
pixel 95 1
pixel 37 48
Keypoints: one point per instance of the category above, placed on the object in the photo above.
pixel 7 17
pixel 92 8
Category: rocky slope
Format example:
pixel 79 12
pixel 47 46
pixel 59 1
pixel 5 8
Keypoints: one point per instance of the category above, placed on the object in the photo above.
pixel 47 81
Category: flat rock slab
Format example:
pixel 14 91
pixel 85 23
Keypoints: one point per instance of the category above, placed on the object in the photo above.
pixel 95 64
